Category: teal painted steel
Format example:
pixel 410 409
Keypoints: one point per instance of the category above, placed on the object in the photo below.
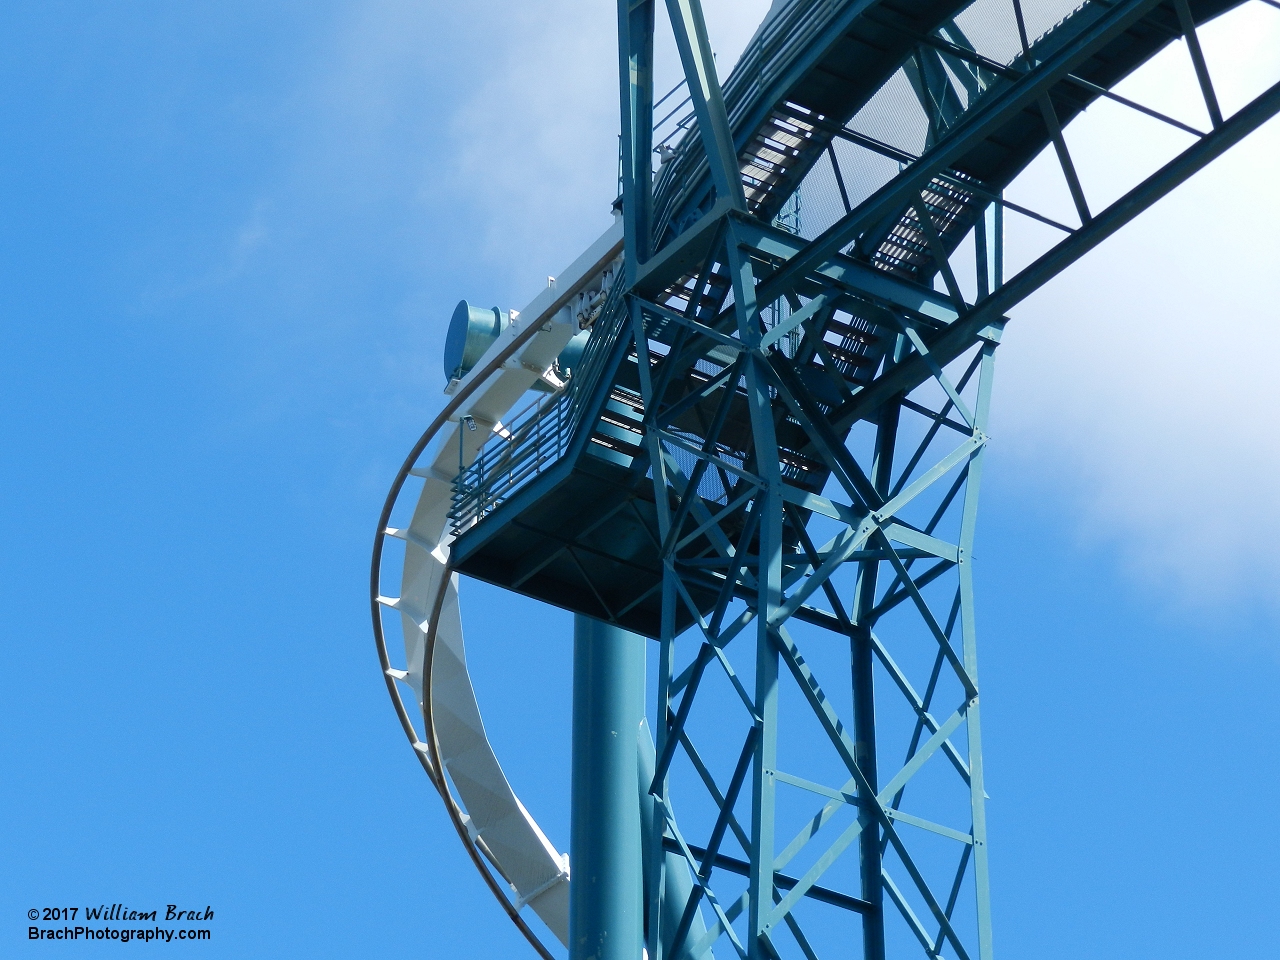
pixel 472 330
pixel 690 31
pixel 606 898
pixel 862 660
pixel 571 356
pixel 772 446
pixel 670 873
pixel 635 77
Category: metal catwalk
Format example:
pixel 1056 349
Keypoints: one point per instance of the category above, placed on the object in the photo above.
pixel 757 434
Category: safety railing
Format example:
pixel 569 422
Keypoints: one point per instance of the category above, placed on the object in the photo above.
pixel 545 432
pixel 541 434
pixel 534 439
pixel 767 54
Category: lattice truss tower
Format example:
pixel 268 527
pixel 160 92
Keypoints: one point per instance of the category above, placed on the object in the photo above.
pixel 758 439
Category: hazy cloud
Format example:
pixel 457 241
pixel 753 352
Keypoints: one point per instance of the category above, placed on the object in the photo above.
pixel 1140 386
pixel 534 143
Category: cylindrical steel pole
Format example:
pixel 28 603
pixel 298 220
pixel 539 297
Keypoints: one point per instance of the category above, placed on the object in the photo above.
pixel 606 886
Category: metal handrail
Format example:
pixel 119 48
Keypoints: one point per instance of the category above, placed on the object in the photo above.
pixel 767 54
pixel 540 435
pixel 505 465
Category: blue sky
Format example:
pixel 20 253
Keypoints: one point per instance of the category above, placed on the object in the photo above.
pixel 231 237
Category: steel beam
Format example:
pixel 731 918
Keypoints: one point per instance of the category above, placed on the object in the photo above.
pixel 635 68
pixel 988 313
pixel 987 119
pixel 708 101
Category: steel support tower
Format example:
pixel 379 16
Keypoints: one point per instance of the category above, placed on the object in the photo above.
pixel 768 458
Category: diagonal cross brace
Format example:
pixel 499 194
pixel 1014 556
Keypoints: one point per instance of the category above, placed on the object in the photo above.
pixel 717 835
pixel 707 892
pixel 845 748
pixel 938 374
pixel 708 102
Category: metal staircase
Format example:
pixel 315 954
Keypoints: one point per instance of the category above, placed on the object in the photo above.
pixel 815 72
pixel 769 456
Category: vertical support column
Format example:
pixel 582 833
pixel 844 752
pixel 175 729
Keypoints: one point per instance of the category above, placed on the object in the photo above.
pixel 768 600
pixel 656 864
pixel 968 632
pixel 988 236
pixel 664 895
pixel 862 661
pixel 991 262
pixel 635 65
pixel 606 889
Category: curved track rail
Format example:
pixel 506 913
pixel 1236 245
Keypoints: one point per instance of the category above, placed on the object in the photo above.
pixel 428 750
pixel 501 838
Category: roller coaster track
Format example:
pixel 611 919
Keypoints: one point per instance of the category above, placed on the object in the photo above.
pixel 713 423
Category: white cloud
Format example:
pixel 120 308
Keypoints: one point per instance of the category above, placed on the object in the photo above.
pixel 1140 387
pixel 534 145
